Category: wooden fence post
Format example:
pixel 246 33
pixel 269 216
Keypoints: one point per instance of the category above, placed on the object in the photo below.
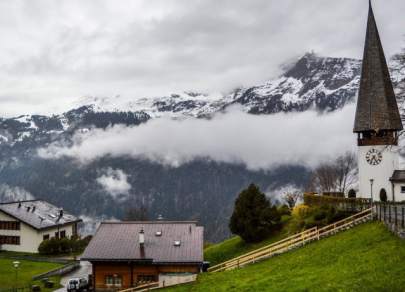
pixel 389 213
pixel 402 217
pixel 178 282
pixel 384 213
pixel 396 217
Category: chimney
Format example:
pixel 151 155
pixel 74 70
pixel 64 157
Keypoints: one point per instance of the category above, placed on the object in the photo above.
pixel 19 205
pixel 60 212
pixel 141 238
pixel 33 209
pixel 160 218
pixel 28 209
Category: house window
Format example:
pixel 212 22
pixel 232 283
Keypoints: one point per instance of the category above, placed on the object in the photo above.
pixel 113 280
pixel 46 236
pixel 63 234
pixel 12 240
pixel 143 279
pixel 402 189
pixel 108 280
pixel 10 225
pixel 56 235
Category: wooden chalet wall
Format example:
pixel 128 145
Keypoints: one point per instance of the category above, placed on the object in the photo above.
pixel 103 269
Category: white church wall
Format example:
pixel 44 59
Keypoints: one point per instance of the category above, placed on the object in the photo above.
pixel 380 172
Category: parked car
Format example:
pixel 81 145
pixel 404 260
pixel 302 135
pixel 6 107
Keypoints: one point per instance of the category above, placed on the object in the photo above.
pixel 77 285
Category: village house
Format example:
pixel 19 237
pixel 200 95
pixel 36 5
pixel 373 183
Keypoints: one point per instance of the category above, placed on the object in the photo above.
pixel 25 224
pixel 129 254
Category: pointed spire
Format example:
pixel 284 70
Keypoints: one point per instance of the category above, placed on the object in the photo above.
pixel 377 108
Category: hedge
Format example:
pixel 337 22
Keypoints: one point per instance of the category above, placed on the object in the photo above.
pixel 334 194
pixel 341 204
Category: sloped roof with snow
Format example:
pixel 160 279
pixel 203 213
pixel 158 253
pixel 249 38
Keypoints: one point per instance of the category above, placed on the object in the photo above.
pixel 38 214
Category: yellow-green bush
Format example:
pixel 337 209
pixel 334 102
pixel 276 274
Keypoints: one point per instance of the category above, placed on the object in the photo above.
pixel 300 213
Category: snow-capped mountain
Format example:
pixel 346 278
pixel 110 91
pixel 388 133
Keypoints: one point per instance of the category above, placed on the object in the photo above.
pixel 312 82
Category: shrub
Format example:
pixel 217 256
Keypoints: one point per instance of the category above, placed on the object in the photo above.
pixel 300 213
pixel 45 247
pixel 64 245
pixel 351 193
pixel 54 244
pixel 383 195
pixel 334 194
pixel 342 204
pixel 283 210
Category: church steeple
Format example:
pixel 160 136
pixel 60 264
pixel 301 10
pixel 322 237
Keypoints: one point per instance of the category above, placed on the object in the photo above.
pixel 377 109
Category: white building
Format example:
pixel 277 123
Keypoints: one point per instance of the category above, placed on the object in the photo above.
pixel 377 119
pixel 25 224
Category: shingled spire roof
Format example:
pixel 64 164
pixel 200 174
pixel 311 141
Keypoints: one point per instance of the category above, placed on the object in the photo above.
pixel 377 108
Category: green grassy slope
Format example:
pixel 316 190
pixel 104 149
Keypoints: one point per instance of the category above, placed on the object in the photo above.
pixel 26 271
pixel 366 258
pixel 236 246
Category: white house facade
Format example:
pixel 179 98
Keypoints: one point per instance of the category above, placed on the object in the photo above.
pixel 25 224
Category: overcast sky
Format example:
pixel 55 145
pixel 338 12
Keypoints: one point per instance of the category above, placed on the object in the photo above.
pixel 55 52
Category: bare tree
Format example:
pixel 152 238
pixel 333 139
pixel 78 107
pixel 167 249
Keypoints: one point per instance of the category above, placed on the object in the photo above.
pixel 291 198
pixel 137 214
pixel 338 175
pixel 346 171
pixel 323 179
pixel 397 69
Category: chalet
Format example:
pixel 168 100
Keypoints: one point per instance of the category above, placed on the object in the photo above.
pixel 25 224
pixel 129 254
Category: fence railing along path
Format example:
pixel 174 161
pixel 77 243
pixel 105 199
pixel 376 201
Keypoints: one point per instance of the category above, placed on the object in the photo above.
pixel 163 284
pixel 291 242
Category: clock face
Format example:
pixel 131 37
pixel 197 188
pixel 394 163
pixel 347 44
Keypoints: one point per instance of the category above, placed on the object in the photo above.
pixel 373 156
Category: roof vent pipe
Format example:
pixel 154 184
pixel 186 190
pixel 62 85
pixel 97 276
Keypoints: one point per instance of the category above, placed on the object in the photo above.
pixel 19 205
pixel 160 218
pixel 28 208
pixel 141 238
pixel 60 212
pixel 33 209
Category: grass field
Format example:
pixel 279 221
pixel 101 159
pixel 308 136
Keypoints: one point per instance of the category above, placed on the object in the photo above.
pixel 26 271
pixel 236 246
pixel 366 258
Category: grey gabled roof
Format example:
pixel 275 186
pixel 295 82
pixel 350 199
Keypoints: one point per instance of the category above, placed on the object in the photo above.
pixel 398 176
pixel 119 241
pixel 38 214
pixel 377 108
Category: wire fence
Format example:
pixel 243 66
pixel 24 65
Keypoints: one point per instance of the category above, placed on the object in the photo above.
pixel 394 214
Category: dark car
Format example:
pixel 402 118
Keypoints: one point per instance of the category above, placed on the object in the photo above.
pixel 77 285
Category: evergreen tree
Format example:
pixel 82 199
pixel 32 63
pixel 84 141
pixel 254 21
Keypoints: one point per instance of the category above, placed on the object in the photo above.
pixel 383 195
pixel 351 194
pixel 253 217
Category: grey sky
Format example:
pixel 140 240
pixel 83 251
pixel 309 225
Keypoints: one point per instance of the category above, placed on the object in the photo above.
pixel 55 52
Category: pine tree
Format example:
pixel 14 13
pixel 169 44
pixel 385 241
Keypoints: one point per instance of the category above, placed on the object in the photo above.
pixel 253 217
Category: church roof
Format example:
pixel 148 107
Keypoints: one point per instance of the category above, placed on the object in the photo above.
pixel 377 107
pixel 398 176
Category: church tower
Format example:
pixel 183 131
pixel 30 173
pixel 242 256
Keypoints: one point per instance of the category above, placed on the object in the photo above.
pixel 377 119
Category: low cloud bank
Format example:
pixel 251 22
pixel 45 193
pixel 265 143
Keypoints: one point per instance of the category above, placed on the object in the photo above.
pixel 114 182
pixel 260 142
